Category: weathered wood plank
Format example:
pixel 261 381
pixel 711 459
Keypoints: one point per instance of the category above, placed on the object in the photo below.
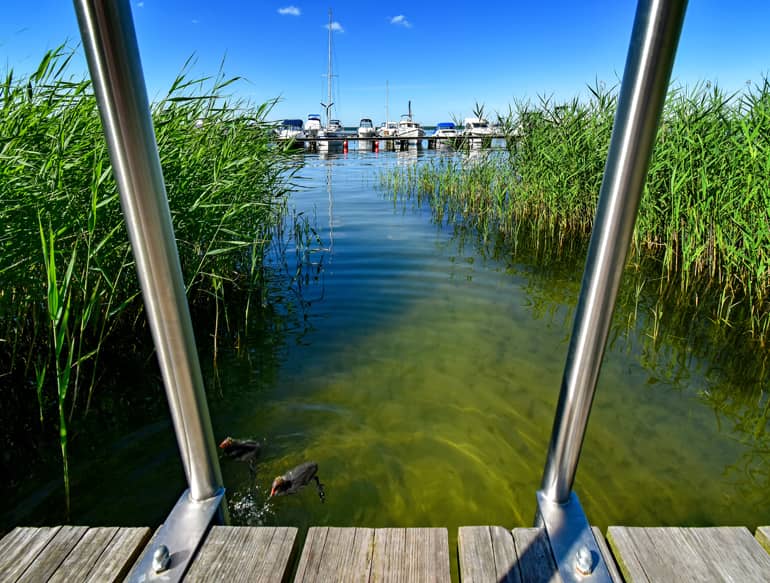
pixel 389 555
pixel 244 553
pixel 20 547
pixel 410 554
pixel 534 556
pixel 700 554
pixel 487 553
pixel 339 554
pixel 54 553
pixel 384 554
pixel 609 560
pixel 763 537
pixel 427 554
pixel 102 554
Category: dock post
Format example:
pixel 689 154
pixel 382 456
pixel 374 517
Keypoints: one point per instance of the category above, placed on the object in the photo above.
pixel 654 38
pixel 648 68
pixel 112 52
pixel 110 44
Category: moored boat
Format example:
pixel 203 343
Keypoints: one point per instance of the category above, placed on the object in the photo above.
pixel 366 128
pixel 409 131
pixel 477 132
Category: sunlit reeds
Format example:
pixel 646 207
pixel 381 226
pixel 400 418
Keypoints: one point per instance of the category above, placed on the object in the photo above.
pixel 704 219
pixel 67 280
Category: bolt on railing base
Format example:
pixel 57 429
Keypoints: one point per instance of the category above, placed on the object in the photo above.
pixel 174 545
pixel 573 545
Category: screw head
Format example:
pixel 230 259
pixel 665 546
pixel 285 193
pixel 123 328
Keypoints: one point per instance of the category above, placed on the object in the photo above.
pixel 584 561
pixel 160 559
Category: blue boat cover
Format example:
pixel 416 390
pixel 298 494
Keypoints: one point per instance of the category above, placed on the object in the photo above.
pixel 293 123
pixel 445 125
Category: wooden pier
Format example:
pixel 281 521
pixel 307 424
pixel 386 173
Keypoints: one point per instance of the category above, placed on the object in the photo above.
pixel 485 554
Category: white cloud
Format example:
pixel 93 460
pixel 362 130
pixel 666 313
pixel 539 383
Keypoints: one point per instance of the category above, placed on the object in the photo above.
pixel 290 11
pixel 401 20
pixel 336 26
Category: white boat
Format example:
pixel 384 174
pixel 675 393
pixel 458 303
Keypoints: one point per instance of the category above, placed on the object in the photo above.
pixel 446 129
pixel 366 128
pixel 477 131
pixel 409 130
pixel 313 125
pixel 292 130
pixel 331 137
pixel 447 134
pixel 387 128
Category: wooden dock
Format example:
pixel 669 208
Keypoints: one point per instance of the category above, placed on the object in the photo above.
pixel 485 554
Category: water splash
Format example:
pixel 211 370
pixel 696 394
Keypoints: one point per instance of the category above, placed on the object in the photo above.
pixel 251 507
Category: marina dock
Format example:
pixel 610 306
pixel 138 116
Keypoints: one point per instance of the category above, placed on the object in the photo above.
pixel 485 554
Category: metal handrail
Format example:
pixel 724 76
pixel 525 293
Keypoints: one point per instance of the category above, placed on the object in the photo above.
pixel 110 44
pixel 654 39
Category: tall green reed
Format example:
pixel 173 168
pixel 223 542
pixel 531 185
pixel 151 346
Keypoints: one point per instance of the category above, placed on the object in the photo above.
pixel 704 219
pixel 68 288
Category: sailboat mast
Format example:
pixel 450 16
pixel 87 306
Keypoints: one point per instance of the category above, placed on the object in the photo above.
pixel 387 113
pixel 329 73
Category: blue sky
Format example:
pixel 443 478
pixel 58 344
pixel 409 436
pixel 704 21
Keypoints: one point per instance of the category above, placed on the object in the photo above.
pixel 443 56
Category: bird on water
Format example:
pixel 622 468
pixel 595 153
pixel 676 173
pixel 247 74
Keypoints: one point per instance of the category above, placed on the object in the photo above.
pixel 242 450
pixel 297 478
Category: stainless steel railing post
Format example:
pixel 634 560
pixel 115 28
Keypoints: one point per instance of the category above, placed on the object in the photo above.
pixel 654 39
pixel 113 59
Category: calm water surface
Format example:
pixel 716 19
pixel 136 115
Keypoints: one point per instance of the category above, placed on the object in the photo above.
pixel 422 377
pixel 426 379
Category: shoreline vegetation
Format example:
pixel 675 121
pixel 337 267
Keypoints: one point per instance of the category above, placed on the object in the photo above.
pixel 68 286
pixel 702 233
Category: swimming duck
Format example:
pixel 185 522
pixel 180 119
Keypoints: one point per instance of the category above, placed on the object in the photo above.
pixel 295 479
pixel 241 450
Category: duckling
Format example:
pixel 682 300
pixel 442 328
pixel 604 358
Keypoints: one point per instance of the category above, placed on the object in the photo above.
pixel 297 478
pixel 242 450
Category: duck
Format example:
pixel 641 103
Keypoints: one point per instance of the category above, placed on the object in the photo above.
pixel 296 479
pixel 241 450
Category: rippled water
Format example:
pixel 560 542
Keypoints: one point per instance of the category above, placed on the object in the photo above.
pixel 422 377
pixel 426 382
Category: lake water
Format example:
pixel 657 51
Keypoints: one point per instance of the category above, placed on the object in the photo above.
pixel 421 373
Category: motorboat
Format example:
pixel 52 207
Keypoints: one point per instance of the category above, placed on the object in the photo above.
pixel 366 128
pixel 313 124
pixel 386 129
pixel 446 134
pixel 445 129
pixel 291 130
pixel 477 131
pixel 335 125
pixel 409 131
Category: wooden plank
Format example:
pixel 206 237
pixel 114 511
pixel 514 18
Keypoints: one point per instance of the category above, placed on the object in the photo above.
pixel 20 547
pixel 102 554
pixel 534 556
pixel 54 553
pixel 244 553
pixel 487 553
pixel 389 551
pixel 609 560
pixel 701 554
pixel 339 554
pixel 427 554
pixel 410 554
pixel 312 554
pixel 763 537
pixel 383 554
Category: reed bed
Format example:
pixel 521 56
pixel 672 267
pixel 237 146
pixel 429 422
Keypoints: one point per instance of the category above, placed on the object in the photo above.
pixel 68 286
pixel 704 219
